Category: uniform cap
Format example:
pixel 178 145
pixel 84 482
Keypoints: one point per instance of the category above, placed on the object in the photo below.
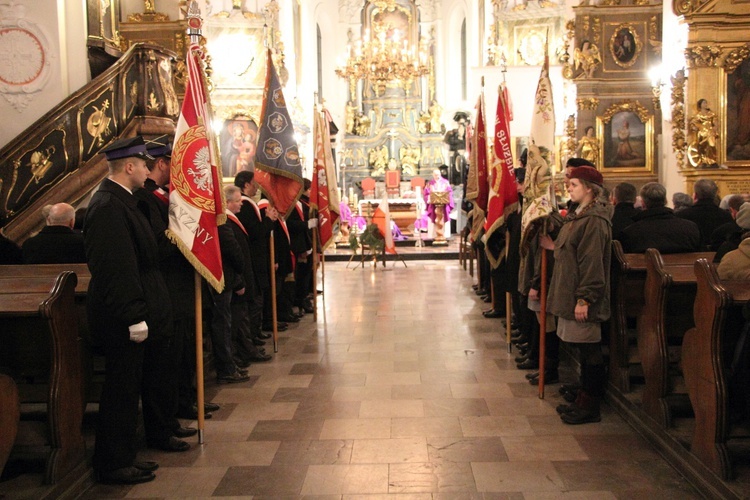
pixel 130 147
pixel 159 146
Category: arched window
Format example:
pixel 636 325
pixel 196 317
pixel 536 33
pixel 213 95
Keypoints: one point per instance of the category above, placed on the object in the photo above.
pixel 463 60
pixel 320 60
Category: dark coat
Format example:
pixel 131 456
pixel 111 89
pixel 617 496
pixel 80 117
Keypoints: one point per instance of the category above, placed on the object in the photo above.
pixel 513 260
pixel 178 273
pixel 259 230
pixel 661 229
pixel 232 259
pixel 54 245
pixel 582 261
pixel 708 216
pixel 10 253
pixel 126 285
pixel 251 283
pixel 725 232
pixel 622 217
pixel 299 235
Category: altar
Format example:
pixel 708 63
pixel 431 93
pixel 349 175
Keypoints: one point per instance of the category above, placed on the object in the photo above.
pixel 403 212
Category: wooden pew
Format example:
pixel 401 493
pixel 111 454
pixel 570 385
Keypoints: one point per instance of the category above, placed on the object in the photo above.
pixel 9 417
pixel 669 294
pixel 705 363
pixel 627 276
pixel 24 313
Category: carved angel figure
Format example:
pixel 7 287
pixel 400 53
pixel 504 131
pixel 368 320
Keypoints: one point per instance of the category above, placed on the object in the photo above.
pixel 409 160
pixel 588 58
pixel 378 158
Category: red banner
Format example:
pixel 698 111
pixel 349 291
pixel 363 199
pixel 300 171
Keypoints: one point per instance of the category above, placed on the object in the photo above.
pixel 196 203
pixel 477 189
pixel 503 196
pixel 324 192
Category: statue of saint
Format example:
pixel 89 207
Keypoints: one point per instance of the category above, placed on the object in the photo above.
pixel 362 124
pixel 351 115
pixel 588 58
pixel 436 112
pixel 588 146
pixel 702 127
pixel 456 141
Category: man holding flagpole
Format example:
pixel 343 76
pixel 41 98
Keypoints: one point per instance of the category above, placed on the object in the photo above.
pixel 127 303
pixel 196 204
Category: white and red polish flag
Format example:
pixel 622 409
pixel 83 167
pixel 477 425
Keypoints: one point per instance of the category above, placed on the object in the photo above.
pixel 382 219
pixel 324 192
pixel 196 200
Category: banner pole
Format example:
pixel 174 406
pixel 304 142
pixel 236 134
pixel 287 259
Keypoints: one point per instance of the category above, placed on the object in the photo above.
pixel 315 272
pixel 199 356
pixel 543 325
pixel 274 314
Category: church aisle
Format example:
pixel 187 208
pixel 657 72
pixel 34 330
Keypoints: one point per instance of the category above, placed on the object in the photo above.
pixel 402 389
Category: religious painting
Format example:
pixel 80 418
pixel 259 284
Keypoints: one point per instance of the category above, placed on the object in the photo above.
pixel 738 114
pixel 626 138
pixel 237 141
pixel 625 45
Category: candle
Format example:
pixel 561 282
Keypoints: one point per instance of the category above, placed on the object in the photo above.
pixel 351 193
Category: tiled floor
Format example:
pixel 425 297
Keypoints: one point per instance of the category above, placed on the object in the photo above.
pixel 402 389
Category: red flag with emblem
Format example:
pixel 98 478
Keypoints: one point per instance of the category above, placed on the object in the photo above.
pixel 476 185
pixel 503 196
pixel 324 192
pixel 278 170
pixel 196 202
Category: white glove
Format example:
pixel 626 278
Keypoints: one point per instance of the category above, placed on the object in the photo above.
pixel 138 332
pixel 312 223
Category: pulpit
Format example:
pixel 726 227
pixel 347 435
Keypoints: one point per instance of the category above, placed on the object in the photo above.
pixel 439 199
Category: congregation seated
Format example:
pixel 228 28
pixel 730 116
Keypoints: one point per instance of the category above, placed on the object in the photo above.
pixel 658 227
pixel 57 242
pixel 623 200
pixel 705 212
pixel 728 236
pixel 681 201
pixel 736 264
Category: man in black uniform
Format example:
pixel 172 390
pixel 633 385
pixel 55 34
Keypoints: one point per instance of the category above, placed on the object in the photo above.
pixel 163 356
pixel 259 224
pixel 127 302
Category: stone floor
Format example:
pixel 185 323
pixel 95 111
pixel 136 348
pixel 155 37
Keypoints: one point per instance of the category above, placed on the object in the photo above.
pixel 401 389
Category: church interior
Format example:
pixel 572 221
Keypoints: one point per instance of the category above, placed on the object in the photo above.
pixel 401 388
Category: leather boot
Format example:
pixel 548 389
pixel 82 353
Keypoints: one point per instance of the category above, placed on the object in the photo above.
pixel 585 410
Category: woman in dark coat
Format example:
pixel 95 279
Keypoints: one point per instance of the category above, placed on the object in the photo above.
pixel 579 291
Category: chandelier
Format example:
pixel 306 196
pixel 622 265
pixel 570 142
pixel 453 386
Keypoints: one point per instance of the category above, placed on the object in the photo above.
pixel 384 59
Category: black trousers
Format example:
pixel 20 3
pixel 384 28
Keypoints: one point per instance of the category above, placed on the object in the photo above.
pixel 242 341
pixel 160 391
pixel 116 440
pixel 185 328
pixel 303 281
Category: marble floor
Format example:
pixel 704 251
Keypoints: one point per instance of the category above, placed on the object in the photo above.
pixel 401 389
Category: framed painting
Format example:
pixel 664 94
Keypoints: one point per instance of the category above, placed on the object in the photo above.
pixel 237 142
pixel 738 115
pixel 626 132
pixel 625 45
